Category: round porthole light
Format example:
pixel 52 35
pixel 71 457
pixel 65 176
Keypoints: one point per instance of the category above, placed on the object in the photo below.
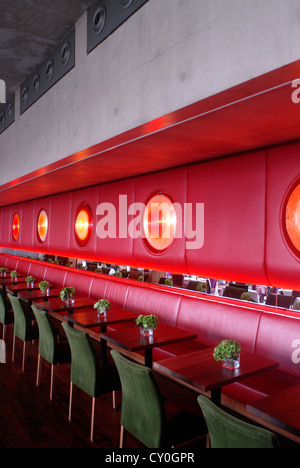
pixel 42 225
pixel 159 222
pixel 16 226
pixel 292 219
pixel 83 224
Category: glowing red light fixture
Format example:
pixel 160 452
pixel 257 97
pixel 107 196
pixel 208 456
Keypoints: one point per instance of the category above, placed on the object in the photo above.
pixel 83 224
pixel 16 226
pixel 42 225
pixel 160 222
pixel 293 219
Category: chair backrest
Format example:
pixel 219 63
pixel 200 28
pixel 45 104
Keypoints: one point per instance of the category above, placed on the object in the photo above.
pixel 21 321
pixel 234 292
pixel 225 431
pixel 2 309
pixel 143 411
pixel 47 339
pixel 280 301
pixel 85 370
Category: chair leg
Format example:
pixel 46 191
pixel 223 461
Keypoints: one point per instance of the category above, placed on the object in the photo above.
pixel 207 441
pixel 24 356
pixel 70 401
pixel 13 348
pixel 93 419
pixel 3 334
pixel 114 399
pixel 122 437
pixel 52 381
pixel 38 374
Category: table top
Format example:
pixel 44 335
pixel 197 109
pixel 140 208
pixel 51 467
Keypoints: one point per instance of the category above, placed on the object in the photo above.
pixel 8 280
pixel 201 371
pixel 88 318
pixel 29 296
pixel 57 305
pixel 281 409
pixel 130 339
pixel 14 288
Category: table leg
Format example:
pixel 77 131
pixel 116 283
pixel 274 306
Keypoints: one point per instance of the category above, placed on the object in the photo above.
pixel 103 346
pixel 148 358
pixel 216 396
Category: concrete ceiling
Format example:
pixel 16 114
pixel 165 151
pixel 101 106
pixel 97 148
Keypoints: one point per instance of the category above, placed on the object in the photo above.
pixel 29 31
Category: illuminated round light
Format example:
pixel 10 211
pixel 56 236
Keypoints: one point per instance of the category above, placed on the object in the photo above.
pixel 42 225
pixel 83 224
pixel 16 227
pixel 160 222
pixel 293 219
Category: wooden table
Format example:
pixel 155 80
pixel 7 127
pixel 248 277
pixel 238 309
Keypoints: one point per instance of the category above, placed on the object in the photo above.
pixel 130 339
pixel 14 289
pixel 281 409
pixel 56 305
pixel 88 318
pixel 37 294
pixel 201 371
pixel 9 280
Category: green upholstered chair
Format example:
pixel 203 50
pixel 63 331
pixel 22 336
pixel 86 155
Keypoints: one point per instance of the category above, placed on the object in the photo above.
pixel 146 415
pixel 86 372
pixel 6 315
pixel 23 328
pixel 226 431
pixel 50 348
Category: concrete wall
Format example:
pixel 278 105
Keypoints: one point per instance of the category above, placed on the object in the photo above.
pixel 170 54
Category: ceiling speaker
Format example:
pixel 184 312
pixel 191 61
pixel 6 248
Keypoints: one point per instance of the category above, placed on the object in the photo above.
pixel 105 16
pixel 55 67
pixel 7 115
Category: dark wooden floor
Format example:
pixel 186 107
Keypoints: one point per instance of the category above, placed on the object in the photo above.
pixel 30 420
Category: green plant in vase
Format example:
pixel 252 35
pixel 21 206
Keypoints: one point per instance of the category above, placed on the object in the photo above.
pixel 67 294
pixel 147 323
pixel 13 275
pixel 30 281
pixel 44 286
pixel 3 271
pixel 246 296
pixel 201 287
pixel 102 306
pixel 168 282
pixel 228 351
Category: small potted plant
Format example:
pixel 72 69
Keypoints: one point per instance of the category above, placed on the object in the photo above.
pixel 201 287
pixel 30 281
pixel 102 306
pixel 14 275
pixel 67 295
pixel 119 274
pixel 147 324
pixel 98 270
pixel 228 351
pixel 246 296
pixel 168 282
pixel 44 287
pixel 3 272
pixel 296 306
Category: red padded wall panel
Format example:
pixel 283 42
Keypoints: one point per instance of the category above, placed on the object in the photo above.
pixel 172 183
pixel 88 196
pixel 233 192
pixel 283 265
pixel 60 224
pixel 115 250
pixel 26 229
pixel 5 235
pixel 42 204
